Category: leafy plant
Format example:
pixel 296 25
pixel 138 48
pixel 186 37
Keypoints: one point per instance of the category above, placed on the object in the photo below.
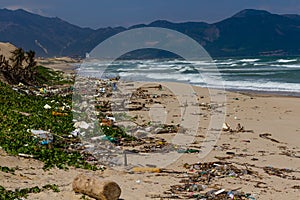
pixel 15 136
pixel 50 77
pixel 23 193
pixel 7 169
pixel 116 133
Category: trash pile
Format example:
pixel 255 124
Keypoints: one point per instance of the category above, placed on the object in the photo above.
pixel 148 145
pixel 45 91
pixel 196 184
pixel 110 129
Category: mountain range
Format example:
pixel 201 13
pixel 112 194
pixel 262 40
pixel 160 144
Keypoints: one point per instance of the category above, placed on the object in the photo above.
pixel 247 33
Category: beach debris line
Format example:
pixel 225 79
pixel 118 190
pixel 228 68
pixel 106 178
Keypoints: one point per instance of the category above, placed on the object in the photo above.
pixel 96 188
pixel 197 183
pixel 282 173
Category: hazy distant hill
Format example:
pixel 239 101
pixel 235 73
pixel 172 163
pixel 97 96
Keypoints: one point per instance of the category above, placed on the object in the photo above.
pixel 48 36
pixel 248 33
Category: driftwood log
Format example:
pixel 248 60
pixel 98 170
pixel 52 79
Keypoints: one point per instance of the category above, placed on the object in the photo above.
pixel 95 188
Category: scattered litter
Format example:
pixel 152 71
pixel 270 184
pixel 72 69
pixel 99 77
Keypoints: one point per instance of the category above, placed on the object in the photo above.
pixel 239 128
pixel 81 124
pixel 54 113
pixel 219 191
pixel 75 133
pixel 166 129
pixel 43 90
pixel 47 107
pixel 226 127
pixel 280 172
pixel 44 137
pixel 267 136
pixel 111 118
pixel 150 165
pixel 102 90
pixel 23 113
pixel 188 151
pixel 106 122
pixel 146 169
pixel 201 176
pixel 25 155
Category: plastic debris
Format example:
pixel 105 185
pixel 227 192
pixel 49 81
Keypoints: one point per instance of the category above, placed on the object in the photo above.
pixel 54 113
pixel 44 137
pixel 47 107
pixel 239 128
pixel 188 151
pixel 111 118
pixel 201 176
pixel 219 191
pixel 146 169
pixel 81 124
pixel 75 133
pixel 25 155
pixel 43 90
pixel 230 195
pixel 226 127
pixel 102 90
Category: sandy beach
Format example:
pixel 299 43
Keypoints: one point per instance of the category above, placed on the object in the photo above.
pixel 150 100
pixel 267 147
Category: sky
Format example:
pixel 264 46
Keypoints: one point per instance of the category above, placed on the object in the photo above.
pixel 103 13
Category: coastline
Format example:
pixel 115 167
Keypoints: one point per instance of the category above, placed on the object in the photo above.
pixel 266 93
pixel 262 113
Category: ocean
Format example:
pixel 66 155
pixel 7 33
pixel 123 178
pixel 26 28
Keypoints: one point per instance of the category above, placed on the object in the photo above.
pixel 263 74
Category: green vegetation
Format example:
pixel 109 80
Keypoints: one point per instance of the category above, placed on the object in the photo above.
pixel 115 133
pixel 21 67
pixel 49 76
pixel 7 169
pixel 15 137
pixel 21 112
pixel 23 193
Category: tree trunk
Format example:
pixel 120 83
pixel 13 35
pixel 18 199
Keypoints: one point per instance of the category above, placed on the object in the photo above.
pixel 95 188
